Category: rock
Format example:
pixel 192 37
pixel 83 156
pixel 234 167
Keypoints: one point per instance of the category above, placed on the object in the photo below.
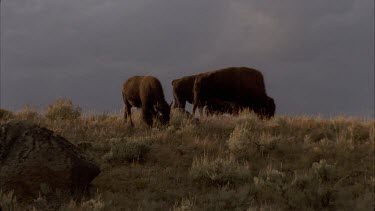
pixel 32 156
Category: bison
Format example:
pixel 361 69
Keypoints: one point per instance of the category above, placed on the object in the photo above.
pixel 241 86
pixel 183 92
pixel 147 93
pixel 220 107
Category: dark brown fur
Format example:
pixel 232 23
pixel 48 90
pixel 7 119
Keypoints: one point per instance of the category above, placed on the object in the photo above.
pixel 147 93
pixel 183 91
pixel 219 107
pixel 238 85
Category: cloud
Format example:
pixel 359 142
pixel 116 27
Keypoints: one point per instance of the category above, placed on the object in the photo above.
pixel 62 37
pixel 315 55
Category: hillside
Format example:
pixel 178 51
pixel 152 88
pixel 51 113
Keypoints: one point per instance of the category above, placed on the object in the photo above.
pixel 218 163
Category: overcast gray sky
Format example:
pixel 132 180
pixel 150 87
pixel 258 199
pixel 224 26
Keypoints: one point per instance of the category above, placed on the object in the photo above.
pixel 317 56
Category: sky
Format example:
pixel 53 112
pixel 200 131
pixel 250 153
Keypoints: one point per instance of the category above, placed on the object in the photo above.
pixel 317 57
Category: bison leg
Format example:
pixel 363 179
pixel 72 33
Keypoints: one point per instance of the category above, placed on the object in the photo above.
pixel 201 111
pixel 194 108
pixel 182 104
pixel 127 112
pixel 208 111
pixel 147 117
pixel 200 107
pixel 179 103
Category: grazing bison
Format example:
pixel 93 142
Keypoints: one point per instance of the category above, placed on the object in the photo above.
pixel 183 91
pixel 147 93
pixel 265 109
pixel 241 86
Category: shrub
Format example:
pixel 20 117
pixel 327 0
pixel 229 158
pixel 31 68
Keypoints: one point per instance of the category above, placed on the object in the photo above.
pixel 8 201
pixel 27 113
pixel 224 198
pixel 316 188
pixel 94 204
pixel 180 118
pixel 5 114
pixel 240 137
pixel 286 163
pixel 183 205
pixel 247 116
pixel 219 171
pixel 62 109
pixel 129 150
pixel 247 141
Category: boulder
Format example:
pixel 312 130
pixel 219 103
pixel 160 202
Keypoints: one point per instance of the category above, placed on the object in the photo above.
pixel 33 156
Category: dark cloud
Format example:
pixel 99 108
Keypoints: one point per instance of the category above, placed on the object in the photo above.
pixel 317 56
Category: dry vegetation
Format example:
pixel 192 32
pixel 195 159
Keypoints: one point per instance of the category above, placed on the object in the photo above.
pixel 220 163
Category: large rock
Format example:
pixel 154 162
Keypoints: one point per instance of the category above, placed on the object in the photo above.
pixel 31 156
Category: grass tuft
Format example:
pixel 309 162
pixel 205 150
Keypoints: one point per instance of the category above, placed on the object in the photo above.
pixel 28 113
pixel 8 201
pixel 5 114
pixel 62 109
pixel 219 171
pixel 128 150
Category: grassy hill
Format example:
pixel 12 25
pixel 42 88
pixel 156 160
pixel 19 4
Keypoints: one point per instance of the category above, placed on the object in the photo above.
pixel 217 163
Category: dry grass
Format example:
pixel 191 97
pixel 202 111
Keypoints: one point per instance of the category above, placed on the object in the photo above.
pixel 222 162
pixel 62 109
pixel 5 114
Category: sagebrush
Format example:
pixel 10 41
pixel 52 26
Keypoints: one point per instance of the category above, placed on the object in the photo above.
pixel 219 162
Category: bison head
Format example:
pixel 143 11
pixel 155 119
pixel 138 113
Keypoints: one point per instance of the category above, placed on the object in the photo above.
pixel 265 108
pixel 163 111
pixel 269 107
